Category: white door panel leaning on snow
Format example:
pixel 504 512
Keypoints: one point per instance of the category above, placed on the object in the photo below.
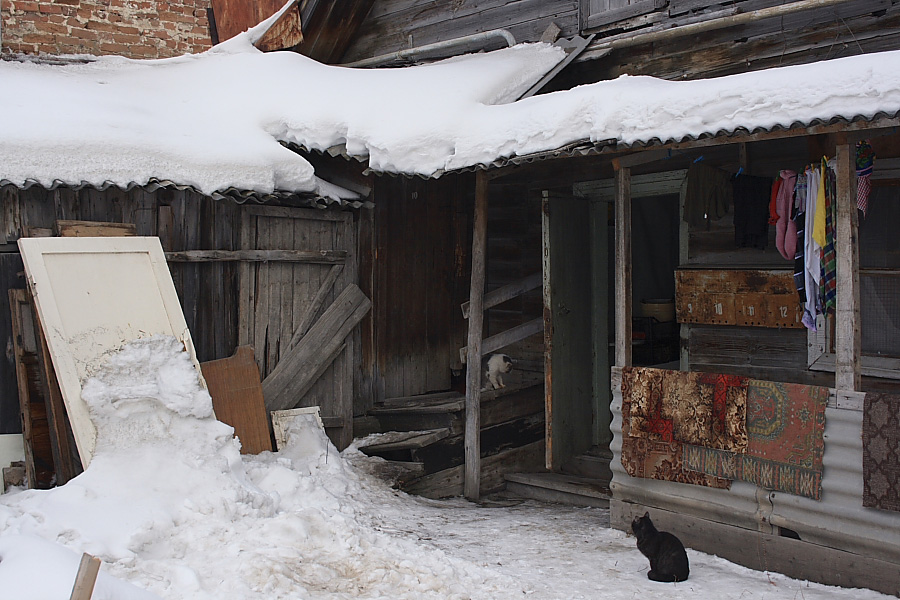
pixel 93 295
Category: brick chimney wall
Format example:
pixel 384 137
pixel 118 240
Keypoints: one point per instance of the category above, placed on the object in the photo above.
pixel 132 28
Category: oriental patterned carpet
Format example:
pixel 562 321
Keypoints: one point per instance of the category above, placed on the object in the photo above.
pixel 881 451
pixel 785 426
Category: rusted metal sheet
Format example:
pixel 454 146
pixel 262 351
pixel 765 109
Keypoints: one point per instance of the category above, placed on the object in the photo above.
pixel 750 298
pixel 235 16
pixel 284 33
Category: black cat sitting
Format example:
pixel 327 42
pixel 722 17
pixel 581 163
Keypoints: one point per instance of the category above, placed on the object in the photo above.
pixel 668 560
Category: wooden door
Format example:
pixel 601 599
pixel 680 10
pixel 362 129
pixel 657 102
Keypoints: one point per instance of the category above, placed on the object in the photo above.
pixel 289 291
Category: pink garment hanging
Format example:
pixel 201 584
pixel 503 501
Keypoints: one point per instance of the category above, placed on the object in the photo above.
pixel 785 229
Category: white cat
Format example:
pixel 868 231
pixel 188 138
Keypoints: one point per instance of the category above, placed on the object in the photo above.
pixel 496 365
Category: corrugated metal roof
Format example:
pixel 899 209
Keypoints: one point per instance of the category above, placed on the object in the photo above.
pixel 233 194
pixel 612 145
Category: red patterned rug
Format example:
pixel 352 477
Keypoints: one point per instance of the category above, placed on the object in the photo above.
pixel 651 416
pixel 881 451
pixel 651 457
pixel 710 410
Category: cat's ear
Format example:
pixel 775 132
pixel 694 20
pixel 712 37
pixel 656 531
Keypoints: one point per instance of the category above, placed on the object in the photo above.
pixel 647 515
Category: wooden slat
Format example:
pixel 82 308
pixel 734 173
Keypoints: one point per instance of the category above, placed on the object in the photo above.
pixel 623 266
pixel 472 487
pixel 303 364
pixel 847 326
pixel 66 228
pixel 246 255
pixel 237 398
pixel 314 305
pixel 85 578
pixel 65 458
pixel 507 292
pixel 506 338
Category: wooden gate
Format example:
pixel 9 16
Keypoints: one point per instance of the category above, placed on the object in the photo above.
pixel 304 260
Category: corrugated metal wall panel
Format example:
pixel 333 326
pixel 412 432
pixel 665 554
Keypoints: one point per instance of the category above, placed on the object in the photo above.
pixel 837 521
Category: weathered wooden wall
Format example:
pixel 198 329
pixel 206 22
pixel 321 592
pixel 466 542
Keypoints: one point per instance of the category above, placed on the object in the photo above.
pixel 394 25
pixel 820 33
pixel 420 277
pixel 209 290
pixel 514 253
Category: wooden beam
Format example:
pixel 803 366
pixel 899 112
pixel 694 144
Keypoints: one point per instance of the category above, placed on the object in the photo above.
pixel 623 266
pixel 507 292
pixel 66 228
pixel 472 487
pixel 641 158
pixel 548 327
pixel 315 305
pixel 85 578
pixel 505 338
pixel 326 257
pixel 847 327
pixel 299 369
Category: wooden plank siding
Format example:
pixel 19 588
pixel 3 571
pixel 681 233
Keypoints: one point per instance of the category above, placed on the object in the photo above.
pixel 847 29
pixel 420 273
pixel 206 235
pixel 394 25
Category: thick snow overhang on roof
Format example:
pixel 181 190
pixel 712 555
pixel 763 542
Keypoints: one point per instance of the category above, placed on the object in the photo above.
pixel 221 120
pixel 228 119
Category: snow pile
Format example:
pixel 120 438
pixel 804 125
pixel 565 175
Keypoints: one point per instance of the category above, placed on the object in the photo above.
pixel 217 120
pixel 168 505
pixel 176 513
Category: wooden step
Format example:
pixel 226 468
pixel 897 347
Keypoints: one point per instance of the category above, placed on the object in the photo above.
pixel 447 409
pixel 557 487
pixel 399 445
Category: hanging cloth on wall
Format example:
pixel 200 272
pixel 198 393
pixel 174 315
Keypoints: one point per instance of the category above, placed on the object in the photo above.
pixel 785 229
pixel 880 440
pixel 865 164
pixel 706 194
pixel 751 210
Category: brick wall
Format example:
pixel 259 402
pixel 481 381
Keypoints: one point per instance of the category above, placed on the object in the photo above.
pixel 133 28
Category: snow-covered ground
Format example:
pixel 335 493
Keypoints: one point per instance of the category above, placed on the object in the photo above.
pixel 175 512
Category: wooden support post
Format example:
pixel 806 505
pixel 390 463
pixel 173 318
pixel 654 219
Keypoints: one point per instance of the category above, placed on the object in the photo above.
pixel 472 485
pixel 548 328
pixel 847 326
pixel 623 265
pixel 86 577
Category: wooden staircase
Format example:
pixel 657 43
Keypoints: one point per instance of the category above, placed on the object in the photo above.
pixel 425 436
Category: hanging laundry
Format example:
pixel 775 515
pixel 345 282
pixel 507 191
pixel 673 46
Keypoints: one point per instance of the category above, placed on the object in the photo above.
pixel 799 218
pixel 773 201
pixel 829 258
pixel 785 229
pixel 865 164
pixel 818 231
pixel 812 253
pixel 706 194
pixel 751 210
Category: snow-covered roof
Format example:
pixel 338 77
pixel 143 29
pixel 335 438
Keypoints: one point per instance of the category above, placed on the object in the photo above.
pixel 222 119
